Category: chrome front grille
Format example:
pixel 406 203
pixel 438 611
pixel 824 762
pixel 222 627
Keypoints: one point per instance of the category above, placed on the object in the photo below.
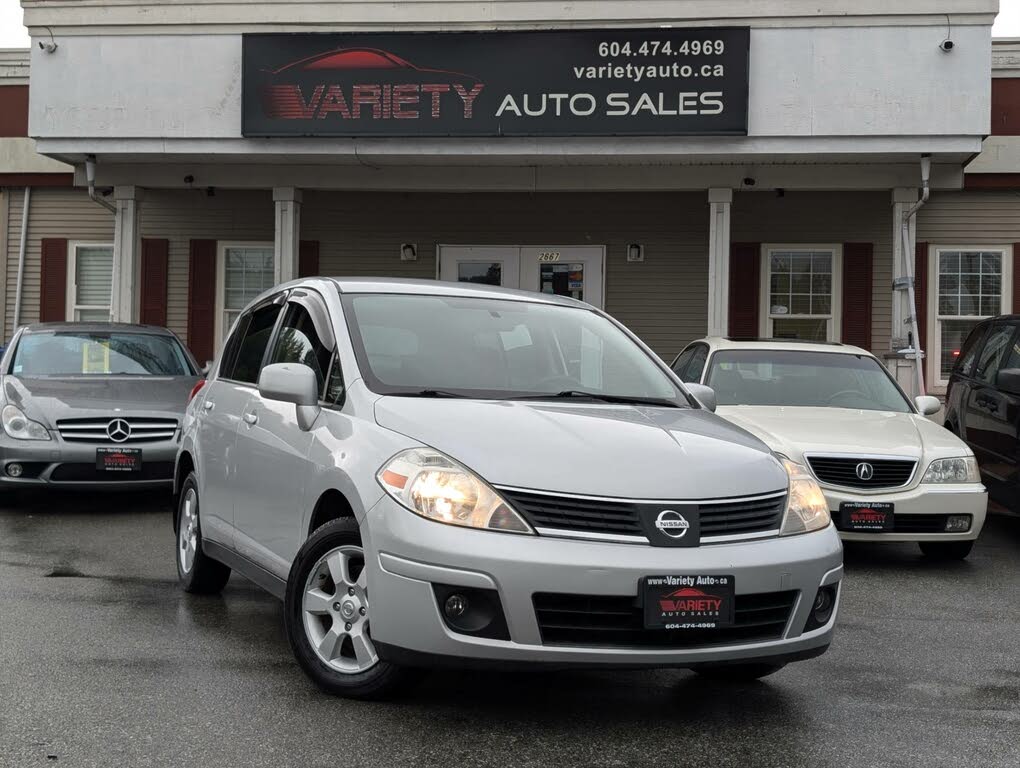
pixel 605 519
pixel 98 430
pixel 862 471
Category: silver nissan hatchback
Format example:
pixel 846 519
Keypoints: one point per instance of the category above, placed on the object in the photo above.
pixel 434 473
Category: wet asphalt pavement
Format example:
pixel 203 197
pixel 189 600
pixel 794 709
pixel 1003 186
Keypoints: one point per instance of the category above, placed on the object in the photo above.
pixel 104 662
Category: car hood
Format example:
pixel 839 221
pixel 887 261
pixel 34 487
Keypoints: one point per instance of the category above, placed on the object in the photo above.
pixel 796 431
pixel 594 449
pixel 47 399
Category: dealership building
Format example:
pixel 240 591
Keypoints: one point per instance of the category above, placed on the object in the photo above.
pixel 689 168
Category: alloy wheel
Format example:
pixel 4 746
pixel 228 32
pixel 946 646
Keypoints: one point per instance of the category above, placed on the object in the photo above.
pixel 335 611
pixel 187 534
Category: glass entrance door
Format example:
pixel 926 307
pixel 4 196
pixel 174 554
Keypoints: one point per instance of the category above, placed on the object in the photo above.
pixel 575 271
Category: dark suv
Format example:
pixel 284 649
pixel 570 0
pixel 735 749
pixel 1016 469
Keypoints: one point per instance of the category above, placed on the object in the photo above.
pixel 983 404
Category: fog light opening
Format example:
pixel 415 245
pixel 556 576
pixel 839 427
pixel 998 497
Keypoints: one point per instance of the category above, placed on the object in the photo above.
pixel 15 470
pixel 471 611
pixel 957 523
pixel 456 606
pixel 822 607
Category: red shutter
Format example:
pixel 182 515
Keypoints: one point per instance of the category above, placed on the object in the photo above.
pixel 155 258
pixel 857 291
pixel 308 258
pixel 1016 278
pixel 53 280
pixel 202 299
pixel 745 268
pixel 920 293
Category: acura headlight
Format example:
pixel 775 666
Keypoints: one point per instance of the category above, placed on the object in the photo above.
pixel 20 427
pixel 433 485
pixel 806 507
pixel 959 470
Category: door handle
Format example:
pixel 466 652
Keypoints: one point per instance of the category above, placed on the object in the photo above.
pixel 208 405
pixel 251 418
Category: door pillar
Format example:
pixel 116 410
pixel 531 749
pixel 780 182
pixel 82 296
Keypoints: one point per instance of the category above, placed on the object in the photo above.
pixel 127 245
pixel 720 201
pixel 287 201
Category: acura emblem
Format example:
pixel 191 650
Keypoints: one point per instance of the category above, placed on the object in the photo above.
pixel 118 430
pixel 865 471
pixel 672 523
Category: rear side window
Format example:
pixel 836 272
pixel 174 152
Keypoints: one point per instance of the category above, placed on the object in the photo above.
pixel 299 342
pixel 968 352
pixel 681 362
pixel 253 345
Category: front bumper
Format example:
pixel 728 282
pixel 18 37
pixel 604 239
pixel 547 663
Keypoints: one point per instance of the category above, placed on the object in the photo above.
pixel 922 500
pixel 59 464
pixel 408 554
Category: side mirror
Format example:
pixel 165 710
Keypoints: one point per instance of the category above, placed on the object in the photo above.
pixel 1008 380
pixel 292 383
pixel 705 395
pixel 928 405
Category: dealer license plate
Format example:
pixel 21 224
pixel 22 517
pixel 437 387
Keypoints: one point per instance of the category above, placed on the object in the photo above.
pixel 866 516
pixel 119 459
pixel 688 602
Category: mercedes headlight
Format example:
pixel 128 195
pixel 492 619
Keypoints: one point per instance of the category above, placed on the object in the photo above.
pixel 20 427
pixel 433 485
pixel 959 470
pixel 806 507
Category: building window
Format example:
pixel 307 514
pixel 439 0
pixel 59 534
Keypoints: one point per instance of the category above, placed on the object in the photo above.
pixel 801 291
pixel 89 281
pixel 971 284
pixel 245 271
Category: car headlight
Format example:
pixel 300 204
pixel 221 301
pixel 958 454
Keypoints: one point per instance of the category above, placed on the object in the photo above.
pixel 433 485
pixel 20 427
pixel 959 470
pixel 806 507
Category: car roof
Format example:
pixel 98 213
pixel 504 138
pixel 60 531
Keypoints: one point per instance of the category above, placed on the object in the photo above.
pixel 441 288
pixel 783 345
pixel 94 327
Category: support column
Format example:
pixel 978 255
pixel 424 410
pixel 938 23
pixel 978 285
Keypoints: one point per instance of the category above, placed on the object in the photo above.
pixel 902 199
pixel 127 245
pixel 288 232
pixel 720 200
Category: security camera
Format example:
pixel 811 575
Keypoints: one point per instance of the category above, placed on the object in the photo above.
pixel 947 45
pixel 49 47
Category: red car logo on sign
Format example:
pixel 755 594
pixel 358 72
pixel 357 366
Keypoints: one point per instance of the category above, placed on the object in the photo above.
pixel 690 599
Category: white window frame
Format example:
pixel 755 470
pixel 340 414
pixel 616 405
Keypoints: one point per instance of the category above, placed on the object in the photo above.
pixel 933 369
pixel 834 330
pixel 71 306
pixel 221 282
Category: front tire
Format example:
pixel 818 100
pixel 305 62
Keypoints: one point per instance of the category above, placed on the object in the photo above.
pixel 946 550
pixel 198 573
pixel 739 673
pixel 328 616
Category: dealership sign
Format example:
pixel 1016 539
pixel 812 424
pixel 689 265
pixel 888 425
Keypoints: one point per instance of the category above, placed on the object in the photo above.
pixel 638 82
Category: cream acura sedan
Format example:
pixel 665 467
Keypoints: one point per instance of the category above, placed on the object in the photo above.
pixel 889 474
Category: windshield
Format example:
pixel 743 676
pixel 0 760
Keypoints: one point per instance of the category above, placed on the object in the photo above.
pixel 447 346
pixel 97 353
pixel 788 378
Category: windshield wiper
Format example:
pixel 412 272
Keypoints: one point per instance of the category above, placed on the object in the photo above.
pixel 440 393
pixel 579 394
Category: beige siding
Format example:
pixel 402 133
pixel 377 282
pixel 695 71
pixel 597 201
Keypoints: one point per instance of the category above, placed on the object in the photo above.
pixel 183 215
pixel 662 299
pixel 970 218
pixel 66 213
pixel 817 218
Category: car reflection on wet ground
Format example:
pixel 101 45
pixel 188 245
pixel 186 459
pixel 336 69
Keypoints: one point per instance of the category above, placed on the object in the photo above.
pixel 103 661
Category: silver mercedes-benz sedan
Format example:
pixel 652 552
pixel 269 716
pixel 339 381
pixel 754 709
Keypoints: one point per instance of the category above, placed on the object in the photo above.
pixel 435 473
pixel 92 405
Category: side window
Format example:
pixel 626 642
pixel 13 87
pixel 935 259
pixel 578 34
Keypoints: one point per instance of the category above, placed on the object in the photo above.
pixel 694 370
pixel 335 383
pixel 230 349
pixel 968 352
pixel 253 344
pixel 681 362
pixel 299 342
pixel 994 352
pixel 1013 358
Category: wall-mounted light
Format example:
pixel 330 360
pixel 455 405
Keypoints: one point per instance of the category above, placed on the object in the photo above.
pixel 408 252
pixel 635 252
